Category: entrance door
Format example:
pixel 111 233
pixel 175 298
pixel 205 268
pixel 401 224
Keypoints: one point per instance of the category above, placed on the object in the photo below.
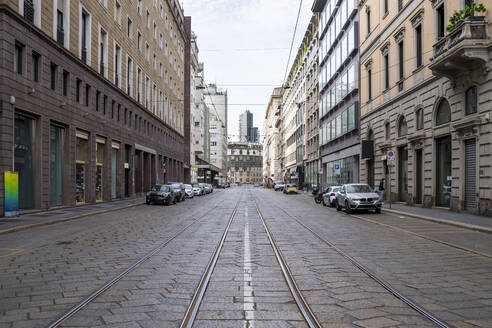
pixel 443 172
pixel 470 175
pixel 370 173
pixel 403 174
pixel 419 177
pixel 56 165
pixel 23 159
pixel 387 179
pixel 114 156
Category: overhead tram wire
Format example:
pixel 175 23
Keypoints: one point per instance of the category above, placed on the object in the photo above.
pixel 292 42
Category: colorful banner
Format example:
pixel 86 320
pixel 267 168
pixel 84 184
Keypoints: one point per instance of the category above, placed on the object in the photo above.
pixel 11 193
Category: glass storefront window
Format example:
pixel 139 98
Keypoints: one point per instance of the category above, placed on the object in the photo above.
pixel 351 117
pixel 443 171
pixel 114 162
pixel 339 125
pixel 56 165
pixel 344 122
pixel 24 143
pixel 80 168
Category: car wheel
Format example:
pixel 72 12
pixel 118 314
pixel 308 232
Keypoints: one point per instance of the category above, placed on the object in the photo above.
pixel 339 208
pixel 332 204
pixel 174 200
pixel 147 202
pixel 378 210
pixel 347 208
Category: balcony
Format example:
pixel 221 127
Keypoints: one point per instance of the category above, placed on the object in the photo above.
pixel 463 50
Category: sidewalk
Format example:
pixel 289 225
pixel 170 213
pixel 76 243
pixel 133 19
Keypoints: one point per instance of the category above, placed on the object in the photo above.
pixel 31 220
pixel 465 220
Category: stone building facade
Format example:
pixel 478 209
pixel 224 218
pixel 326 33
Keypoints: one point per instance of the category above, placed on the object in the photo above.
pixel 425 95
pixel 272 170
pixel 245 162
pixel 91 99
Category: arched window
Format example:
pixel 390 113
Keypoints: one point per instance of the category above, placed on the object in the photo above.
pixel 387 131
pixel 443 112
pixel 471 101
pixel 419 118
pixel 402 127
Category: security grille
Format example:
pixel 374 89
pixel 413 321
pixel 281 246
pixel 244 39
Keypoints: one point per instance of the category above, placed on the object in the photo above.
pixel 29 10
pixel 470 174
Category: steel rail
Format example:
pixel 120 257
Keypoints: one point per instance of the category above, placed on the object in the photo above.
pixel 192 310
pixel 76 308
pixel 373 275
pixel 301 302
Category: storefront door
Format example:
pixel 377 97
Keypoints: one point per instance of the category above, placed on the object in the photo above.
pixel 403 174
pixel 56 165
pixel 419 185
pixel 443 171
pixel 23 159
pixel 114 157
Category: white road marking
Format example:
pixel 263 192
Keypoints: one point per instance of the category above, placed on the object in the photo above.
pixel 248 301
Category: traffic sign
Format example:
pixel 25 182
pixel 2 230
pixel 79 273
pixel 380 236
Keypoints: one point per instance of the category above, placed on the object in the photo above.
pixel 336 169
pixel 391 155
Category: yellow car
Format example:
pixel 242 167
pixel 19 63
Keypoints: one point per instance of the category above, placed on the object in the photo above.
pixel 290 188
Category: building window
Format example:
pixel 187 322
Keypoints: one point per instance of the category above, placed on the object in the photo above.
pixel 53 72
pixel 139 7
pixel 112 108
pixel 130 28
pixel 368 20
pixel 147 92
pixel 18 55
pixel 155 31
pixel 441 21
pixel 78 90
pixel 117 12
pixel 60 34
pixel 139 85
pixel 369 84
pixel 387 131
pixel 98 97
pixel 386 72
pixel 105 104
pixel 418 45
pixel 147 20
pixel 443 112
pixel 147 52
pixel 400 5
pixel 402 127
pixel 400 60
pixel 471 101
pixel 87 94
pixel 66 76
pixel 129 77
pixel 117 65
pixel 385 7
pixel 419 116
pixel 36 58
pixel 103 52
pixel 85 36
pixel 80 166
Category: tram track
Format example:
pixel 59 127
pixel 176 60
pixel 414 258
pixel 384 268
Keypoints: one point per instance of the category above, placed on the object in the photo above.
pixel 299 299
pixel 371 274
pixel 137 263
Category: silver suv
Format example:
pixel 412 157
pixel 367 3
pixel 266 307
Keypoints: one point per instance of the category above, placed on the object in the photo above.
pixel 357 196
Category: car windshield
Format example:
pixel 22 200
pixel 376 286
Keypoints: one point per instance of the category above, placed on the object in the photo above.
pixel 291 185
pixel 358 189
pixel 196 185
pixel 176 185
pixel 160 188
pixel 335 189
pixel 279 182
pixel 188 186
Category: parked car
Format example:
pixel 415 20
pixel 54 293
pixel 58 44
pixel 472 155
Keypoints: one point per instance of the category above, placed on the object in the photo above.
pixel 257 185
pixel 279 186
pixel 204 187
pixel 189 191
pixel 354 197
pixel 209 188
pixel 330 196
pixel 290 188
pixel 221 185
pixel 161 194
pixel 227 185
pixel 179 191
pixel 198 190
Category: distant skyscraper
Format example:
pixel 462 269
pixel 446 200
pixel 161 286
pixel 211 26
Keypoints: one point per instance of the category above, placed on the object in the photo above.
pixel 247 132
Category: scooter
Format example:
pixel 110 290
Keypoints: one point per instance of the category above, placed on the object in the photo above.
pixel 318 198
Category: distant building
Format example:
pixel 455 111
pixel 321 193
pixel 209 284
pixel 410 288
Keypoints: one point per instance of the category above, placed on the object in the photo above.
pixel 216 100
pixel 245 162
pixel 272 155
pixel 247 132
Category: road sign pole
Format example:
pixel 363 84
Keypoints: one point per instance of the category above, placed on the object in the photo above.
pixel 389 186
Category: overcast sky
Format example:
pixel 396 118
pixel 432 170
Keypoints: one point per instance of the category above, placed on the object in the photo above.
pixel 246 42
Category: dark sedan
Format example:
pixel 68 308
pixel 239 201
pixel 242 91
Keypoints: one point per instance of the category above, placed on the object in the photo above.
pixel 161 194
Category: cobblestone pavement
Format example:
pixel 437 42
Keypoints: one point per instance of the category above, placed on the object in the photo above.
pixel 45 271
pixel 453 284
